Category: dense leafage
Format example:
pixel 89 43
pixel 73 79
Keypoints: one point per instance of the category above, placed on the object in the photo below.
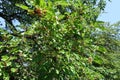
pixel 62 41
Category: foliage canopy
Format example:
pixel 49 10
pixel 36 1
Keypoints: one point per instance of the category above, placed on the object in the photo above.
pixel 57 40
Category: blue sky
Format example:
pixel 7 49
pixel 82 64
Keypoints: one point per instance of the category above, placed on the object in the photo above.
pixel 112 10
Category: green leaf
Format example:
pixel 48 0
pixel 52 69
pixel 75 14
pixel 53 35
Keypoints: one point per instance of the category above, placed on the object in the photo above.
pixel 12 57
pixel 98 60
pixel 6 76
pixel 13 69
pixel 40 3
pixel 0 72
pixel 57 71
pixel 8 63
pixel 102 49
pixel 22 6
pixel 4 58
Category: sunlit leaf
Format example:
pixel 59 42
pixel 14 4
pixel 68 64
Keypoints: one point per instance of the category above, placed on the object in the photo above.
pixel 13 69
pixel 4 58
pixel 22 6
